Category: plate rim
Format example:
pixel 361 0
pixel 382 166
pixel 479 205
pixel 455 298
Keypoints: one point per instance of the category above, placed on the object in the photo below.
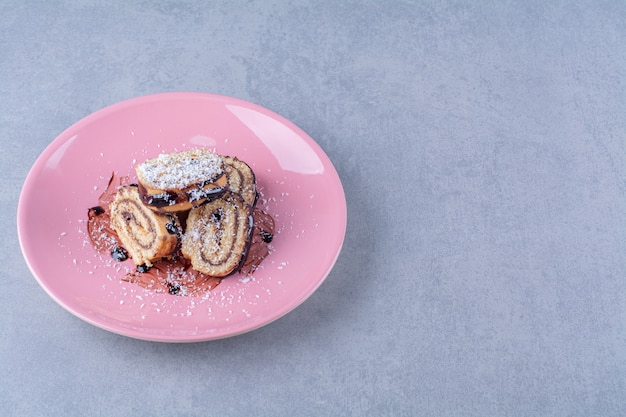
pixel 63 137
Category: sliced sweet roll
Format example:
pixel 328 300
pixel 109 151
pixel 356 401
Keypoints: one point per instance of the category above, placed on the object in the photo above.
pixel 241 179
pixel 180 181
pixel 146 235
pixel 217 235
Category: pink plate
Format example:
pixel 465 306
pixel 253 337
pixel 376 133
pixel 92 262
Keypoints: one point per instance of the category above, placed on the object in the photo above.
pixel 297 182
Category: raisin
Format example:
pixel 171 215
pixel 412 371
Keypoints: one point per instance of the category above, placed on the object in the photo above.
pixel 216 216
pixel 171 227
pixel 143 268
pixel 97 210
pixel 119 254
pixel 174 288
pixel 266 236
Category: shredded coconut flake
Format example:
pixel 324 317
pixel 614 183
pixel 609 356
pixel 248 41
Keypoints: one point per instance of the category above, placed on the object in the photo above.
pixel 180 170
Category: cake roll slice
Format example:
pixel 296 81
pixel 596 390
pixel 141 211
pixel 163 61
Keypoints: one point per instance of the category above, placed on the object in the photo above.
pixel 146 235
pixel 180 181
pixel 217 235
pixel 241 179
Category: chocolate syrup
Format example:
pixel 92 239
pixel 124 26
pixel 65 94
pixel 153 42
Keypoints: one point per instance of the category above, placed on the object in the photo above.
pixel 258 248
pixel 163 199
pixel 174 275
pixel 170 198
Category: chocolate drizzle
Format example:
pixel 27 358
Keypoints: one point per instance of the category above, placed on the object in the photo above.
pixel 173 275
pixel 163 199
pixel 197 193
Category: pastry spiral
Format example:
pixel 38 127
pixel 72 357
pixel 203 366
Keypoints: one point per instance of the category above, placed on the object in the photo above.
pixel 241 179
pixel 217 236
pixel 147 235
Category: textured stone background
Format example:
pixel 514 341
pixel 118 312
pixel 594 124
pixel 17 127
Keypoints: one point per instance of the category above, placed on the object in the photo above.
pixel 481 146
